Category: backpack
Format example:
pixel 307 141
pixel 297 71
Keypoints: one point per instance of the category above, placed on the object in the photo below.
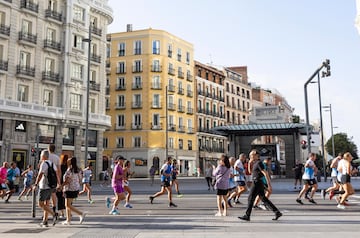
pixel 51 176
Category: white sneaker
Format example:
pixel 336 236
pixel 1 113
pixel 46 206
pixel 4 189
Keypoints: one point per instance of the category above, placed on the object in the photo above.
pixel 262 206
pixel 340 206
pixel 218 214
pixel 66 223
pixel 82 217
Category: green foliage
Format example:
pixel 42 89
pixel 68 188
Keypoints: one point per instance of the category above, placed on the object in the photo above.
pixel 342 144
pixel 296 119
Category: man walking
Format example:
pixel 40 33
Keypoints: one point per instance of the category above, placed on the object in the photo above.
pixel 44 189
pixel 258 189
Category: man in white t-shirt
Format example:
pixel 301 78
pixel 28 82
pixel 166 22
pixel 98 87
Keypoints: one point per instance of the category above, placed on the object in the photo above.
pixel 239 178
pixel 55 159
pixel 44 189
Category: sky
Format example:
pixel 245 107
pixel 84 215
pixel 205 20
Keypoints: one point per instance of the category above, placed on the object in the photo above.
pixel 282 42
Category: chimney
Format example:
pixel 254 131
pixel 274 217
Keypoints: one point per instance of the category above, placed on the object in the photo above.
pixel 129 27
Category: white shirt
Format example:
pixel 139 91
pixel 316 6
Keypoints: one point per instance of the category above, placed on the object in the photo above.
pixel 43 184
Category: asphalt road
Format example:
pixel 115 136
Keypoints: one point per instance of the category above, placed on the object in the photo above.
pixel 194 216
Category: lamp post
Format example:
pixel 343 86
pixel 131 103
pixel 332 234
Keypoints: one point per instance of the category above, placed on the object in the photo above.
pixel 167 123
pixel 332 129
pixel 88 40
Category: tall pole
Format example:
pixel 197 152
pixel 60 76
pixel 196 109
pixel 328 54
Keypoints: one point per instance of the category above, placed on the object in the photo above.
pixel 167 124
pixel 88 40
pixel 321 130
pixel 332 133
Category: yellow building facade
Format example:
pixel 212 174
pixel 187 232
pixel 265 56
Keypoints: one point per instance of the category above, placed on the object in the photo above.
pixel 151 100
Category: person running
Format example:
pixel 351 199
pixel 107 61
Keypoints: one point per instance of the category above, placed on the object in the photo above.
pixel 86 181
pixel 267 165
pixel 239 178
pixel 71 187
pixel 117 185
pixel 165 177
pixel 11 176
pixel 298 170
pixel 336 184
pixel 344 167
pixel 248 175
pixel 44 189
pixel 174 180
pixel 309 179
pixel 28 174
pixel 232 185
pixel 209 176
pixel 222 174
pixel 258 189
pixel 128 174
pixel 3 179
pixel 17 178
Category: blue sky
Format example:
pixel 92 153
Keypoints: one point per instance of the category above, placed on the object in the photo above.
pixel 282 42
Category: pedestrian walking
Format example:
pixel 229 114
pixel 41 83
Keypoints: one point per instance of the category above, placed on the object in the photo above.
pixel 222 175
pixel 55 159
pixel 298 171
pixel 71 186
pixel 165 178
pixel 59 191
pixel 209 176
pixel 257 188
pixel 152 174
pixel 44 189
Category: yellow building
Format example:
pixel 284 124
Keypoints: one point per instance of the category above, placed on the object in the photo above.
pixel 151 100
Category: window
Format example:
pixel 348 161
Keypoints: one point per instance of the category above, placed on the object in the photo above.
pixel 92 105
pixel 137 119
pixel 23 93
pixel 46 134
pixel 137 100
pixel 120 121
pixel 137 82
pixel 77 71
pixel 49 65
pixel 52 5
pixel 171 143
pixel 170 50
pixel 156 66
pixel 105 143
pixel 121 101
pixel 78 42
pixel 26 27
pixel 48 98
pixel 121 49
pixel 24 59
pixel 120 83
pixel 68 136
pixel 120 142
pixel 137 142
pixel 179 55
pixel 75 101
pixel 137 66
pixel 93 76
pixel 121 68
pixel 78 13
pixel 181 144
pixel 156 101
pixel 156 120
pixel 189 145
pixel 137 47
pixel 187 57
pixel 50 34
pixel 156 47
pixel 156 81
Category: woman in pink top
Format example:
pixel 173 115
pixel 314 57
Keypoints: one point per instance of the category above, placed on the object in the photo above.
pixel 117 184
pixel 3 176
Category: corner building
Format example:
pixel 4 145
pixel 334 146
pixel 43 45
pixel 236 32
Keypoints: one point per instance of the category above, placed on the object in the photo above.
pixel 151 100
pixel 44 65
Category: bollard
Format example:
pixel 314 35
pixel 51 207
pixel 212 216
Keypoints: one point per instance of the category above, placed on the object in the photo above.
pixel 33 210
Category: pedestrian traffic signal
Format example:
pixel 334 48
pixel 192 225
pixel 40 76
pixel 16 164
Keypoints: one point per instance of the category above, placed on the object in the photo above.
pixel 303 144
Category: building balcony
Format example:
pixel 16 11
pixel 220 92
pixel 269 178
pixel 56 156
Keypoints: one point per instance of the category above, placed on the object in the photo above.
pixel 171 71
pixel 190 111
pixel 171 88
pixel 181 129
pixel 181 109
pixel 119 105
pixel 29 5
pixel 190 130
pixel 135 126
pixel 4 30
pixel 181 75
pixel 4 65
pixel 189 93
pixel 120 70
pixel 171 106
pixel 189 77
pixel 155 105
pixel 120 126
pixel 51 76
pixel 52 45
pixel 25 70
pixel 95 58
pixel 53 15
pixel 181 91
pixel 137 69
pixel 27 37
pixel 156 86
pixel 136 86
pixel 94 86
pixel 156 68
pixel 96 31
pixel 171 127
pixel 136 105
pixel 156 127
pixel 120 87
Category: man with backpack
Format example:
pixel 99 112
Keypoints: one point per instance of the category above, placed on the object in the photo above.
pixel 45 180
pixel 55 159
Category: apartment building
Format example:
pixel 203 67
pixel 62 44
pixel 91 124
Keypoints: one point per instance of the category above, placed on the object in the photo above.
pixel 151 100
pixel 210 113
pixel 237 95
pixel 44 69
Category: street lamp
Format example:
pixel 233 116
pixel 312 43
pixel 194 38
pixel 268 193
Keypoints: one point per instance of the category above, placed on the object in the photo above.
pixel 167 123
pixel 332 129
pixel 88 40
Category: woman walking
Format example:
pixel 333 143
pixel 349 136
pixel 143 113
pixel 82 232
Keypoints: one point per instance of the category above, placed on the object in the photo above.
pixel 222 175
pixel 71 185
pixel 59 193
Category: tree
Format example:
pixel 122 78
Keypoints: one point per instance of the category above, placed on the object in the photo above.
pixel 295 119
pixel 342 144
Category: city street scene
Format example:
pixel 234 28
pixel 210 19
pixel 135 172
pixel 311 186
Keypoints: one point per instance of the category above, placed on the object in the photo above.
pixel 179 118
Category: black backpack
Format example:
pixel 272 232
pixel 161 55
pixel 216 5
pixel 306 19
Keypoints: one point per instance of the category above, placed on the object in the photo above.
pixel 51 176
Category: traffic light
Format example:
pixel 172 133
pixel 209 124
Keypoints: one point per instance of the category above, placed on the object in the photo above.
pixel 33 153
pixel 303 144
pixel 326 64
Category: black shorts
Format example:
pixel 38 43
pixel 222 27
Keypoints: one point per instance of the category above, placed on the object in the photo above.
pixel 165 184
pixel 298 176
pixel 71 194
pixel 11 185
pixel 309 181
pixel 222 192
pixel 345 178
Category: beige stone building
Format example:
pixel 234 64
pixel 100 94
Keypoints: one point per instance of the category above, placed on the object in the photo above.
pixel 43 78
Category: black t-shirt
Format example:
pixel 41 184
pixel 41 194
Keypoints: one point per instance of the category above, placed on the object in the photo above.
pixel 258 166
pixel 298 169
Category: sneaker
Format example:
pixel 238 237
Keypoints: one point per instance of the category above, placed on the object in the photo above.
pixel 66 223
pixel 263 207
pixel 172 205
pixel 340 206
pixel 331 195
pixel 82 217
pixel 244 218
pixel 44 224
pixel 218 214
pixel 26 197
pixel 237 202
pixel 115 212
pixel 19 198
pixel 312 200
pixel 277 215
pixel 151 198
pixel 55 218
pixel 307 197
pixel 180 195
pixel 127 205
pixel 229 202
pixel 299 201
pixel 323 193
pixel 91 201
pixel 108 202
pixel 256 207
